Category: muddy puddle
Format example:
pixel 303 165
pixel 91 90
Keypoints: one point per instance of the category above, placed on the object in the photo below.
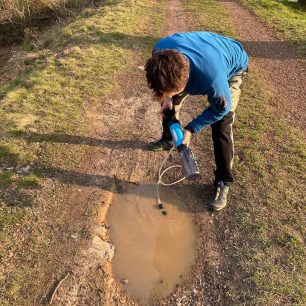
pixel 152 251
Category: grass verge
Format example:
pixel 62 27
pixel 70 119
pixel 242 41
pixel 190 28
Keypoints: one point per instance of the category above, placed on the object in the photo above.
pixel 267 217
pixel 23 18
pixel 45 90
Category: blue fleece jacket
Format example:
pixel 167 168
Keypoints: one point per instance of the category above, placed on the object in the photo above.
pixel 213 60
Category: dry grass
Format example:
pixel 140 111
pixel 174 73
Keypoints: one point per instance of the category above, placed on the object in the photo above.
pixel 24 19
pixel 22 10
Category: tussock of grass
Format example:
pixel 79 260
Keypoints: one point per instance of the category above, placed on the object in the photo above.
pixel 30 180
pixel 23 19
pixel 268 218
pixel 6 178
pixel 22 10
pixel 8 155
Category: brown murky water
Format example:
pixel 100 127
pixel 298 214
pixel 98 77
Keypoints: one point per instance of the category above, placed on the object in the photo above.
pixel 152 250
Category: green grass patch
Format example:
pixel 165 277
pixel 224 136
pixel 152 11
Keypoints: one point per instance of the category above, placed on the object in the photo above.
pixel 287 17
pixel 46 91
pixel 70 69
pixel 9 178
pixel 6 178
pixel 29 180
pixel 268 214
pixel 8 154
pixel 271 182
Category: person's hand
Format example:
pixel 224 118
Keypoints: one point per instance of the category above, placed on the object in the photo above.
pixel 187 136
pixel 166 103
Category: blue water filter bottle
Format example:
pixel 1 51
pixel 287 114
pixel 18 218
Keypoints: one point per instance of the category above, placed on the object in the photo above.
pixel 177 133
pixel 188 161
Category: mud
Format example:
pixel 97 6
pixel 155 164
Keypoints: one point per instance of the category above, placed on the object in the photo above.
pixel 153 250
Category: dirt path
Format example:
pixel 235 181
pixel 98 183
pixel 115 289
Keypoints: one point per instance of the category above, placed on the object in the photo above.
pixel 130 120
pixel 176 18
pixel 279 65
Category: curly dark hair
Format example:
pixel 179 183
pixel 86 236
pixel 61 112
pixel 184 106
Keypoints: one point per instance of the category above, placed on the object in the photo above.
pixel 167 71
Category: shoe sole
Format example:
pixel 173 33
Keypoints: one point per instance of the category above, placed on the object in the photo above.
pixel 159 150
pixel 214 208
pixel 217 209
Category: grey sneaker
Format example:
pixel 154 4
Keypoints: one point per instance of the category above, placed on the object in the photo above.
pixel 219 197
pixel 160 145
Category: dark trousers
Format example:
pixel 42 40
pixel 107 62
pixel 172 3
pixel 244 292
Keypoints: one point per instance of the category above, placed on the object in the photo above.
pixel 222 131
pixel 222 135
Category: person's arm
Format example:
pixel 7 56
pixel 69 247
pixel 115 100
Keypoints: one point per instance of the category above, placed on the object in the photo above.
pixel 219 99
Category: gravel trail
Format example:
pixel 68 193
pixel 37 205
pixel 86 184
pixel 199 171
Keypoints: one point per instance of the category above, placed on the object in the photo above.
pixel 279 65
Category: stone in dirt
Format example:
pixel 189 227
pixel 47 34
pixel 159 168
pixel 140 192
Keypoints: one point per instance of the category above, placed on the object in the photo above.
pixel 102 249
pixel 101 231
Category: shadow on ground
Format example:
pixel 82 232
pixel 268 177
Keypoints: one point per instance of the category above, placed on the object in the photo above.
pixel 16 197
pixel 106 182
pixel 81 140
pixel 273 49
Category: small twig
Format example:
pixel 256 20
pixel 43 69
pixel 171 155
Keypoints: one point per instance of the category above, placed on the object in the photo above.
pixel 57 287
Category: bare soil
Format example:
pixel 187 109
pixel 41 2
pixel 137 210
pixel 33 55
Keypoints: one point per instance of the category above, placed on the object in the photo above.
pixel 5 55
pixel 281 67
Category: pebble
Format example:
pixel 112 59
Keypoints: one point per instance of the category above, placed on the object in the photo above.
pixel 125 281
pixel 2 276
pixel 20 169
pixel 101 231
pixel 103 249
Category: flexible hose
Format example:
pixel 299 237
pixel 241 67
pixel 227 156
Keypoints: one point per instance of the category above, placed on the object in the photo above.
pixel 161 174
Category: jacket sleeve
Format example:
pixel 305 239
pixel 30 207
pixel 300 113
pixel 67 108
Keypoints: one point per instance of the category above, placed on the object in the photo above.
pixel 219 99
